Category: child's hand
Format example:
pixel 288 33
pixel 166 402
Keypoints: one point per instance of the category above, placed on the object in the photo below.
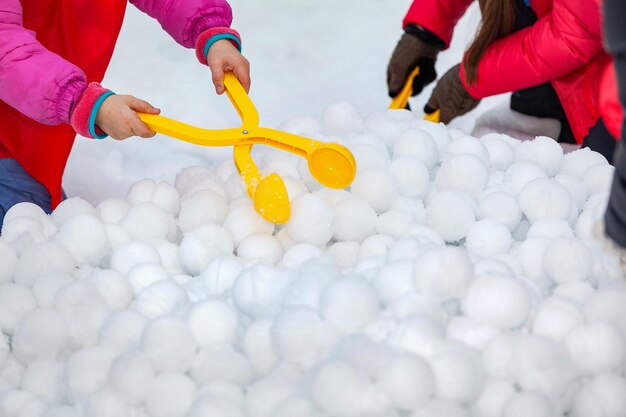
pixel 222 57
pixel 118 118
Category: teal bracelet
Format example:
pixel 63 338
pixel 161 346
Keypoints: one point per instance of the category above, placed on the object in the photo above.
pixel 93 114
pixel 219 37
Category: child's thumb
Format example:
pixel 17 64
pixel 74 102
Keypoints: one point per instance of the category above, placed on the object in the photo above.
pixel 143 106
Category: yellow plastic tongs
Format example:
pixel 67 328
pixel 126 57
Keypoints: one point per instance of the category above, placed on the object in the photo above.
pixel 402 99
pixel 331 164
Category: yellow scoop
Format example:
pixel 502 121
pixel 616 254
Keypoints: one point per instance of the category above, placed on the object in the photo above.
pixel 402 99
pixel 333 165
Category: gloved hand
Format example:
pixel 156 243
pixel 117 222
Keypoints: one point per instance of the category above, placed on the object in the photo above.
pixel 417 47
pixel 451 97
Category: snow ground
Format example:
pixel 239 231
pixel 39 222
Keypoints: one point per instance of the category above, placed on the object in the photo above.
pixel 457 277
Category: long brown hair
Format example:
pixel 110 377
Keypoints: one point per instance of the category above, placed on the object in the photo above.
pixel 498 18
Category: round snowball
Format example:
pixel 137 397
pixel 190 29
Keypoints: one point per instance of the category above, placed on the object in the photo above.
pixel 610 388
pixel 341 118
pixel 160 299
pixel 169 344
pixel 521 173
pixel 568 260
pixel 8 260
pixel 488 237
pixel 129 255
pixel 577 163
pixel 370 157
pixel 543 151
pixel 444 272
pixel 501 153
pixel 130 377
pixel 416 144
pixel 213 321
pixel 528 404
pixel 355 219
pixel 112 210
pixel 260 247
pixel 200 208
pixel 409 381
pixel 498 300
pixel 15 301
pixel 596 347
pixel 202 245
pixel 501 206
pixel 458 373
pixel 349 304
pixel 468 145
pixel 170 395
pixel 311 221
pixel 70 208
pixel 451 215
pixel 163 194
pixel 377 187
pixel 113 287
pixel 545 199
pixel 242 221
pixel 147 221
pixel 40 334
pixel 345 254
pixel 122 331
pixel 555 317
pixel 412 177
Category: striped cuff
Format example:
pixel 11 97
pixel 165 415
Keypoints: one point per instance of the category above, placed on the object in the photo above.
pixel 210 36
pixel 83 118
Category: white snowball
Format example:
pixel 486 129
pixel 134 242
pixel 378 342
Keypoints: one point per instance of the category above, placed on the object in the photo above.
pixel 303 125
pixel 530 255
pixel 596 347
pixel 394 223
pixel 169 344
pixel 493 398
pixel 344 253
pixel 296 407
pixel 355 219
pixel 450 215
pixel 409 381
pixel 219 276
pixel 62 411
pixel 468 145
pixel 341 118
pixel 299 254
pixel 295 188
pixel 147 221
pixel 469 332
pixel 144 275
pixel 40 334
pixel 8 260
pixel 258 346
pixel 341 390
pixel 105 404
pixel 349 304
pixel 86 371
pixel 568 260
pixel 84 311
pixel 550 229
pixel 311 221
pixel 501 206
pixel 383 126
pixel 70 208
pixel 611 389
pixel 122 331
pixel 488 237
pixel 518 174
pixel 129 255
pixel 130 377
pixel 577 163
pixel 497 300
pixel 86 239
pixel 331 196
pixel 15 301
pixel 458 373
pixel 159 299
pixel 162 194
pixel 23 229
pixel 394 281
pixel 260 247
pixel 438 131
pixel 608 305
pixel 555 317
pixel 41 258
pixel 194 176
pixel 200 246
pixel 542 151
pixel 370 157
pixel 242 221
pixel 377 187
pixel 200 208
pixel 441 408
pixel 259 289
pixel 213 321
pixel 498 357
pixel 375 246
pixel 417 144
pixel 545 199
pixel 412 177
pixel 24 209
pixel 220 362
pixel 528 404
pixel 443 272
pixel 44 378
pixel 599 178
pixel 301 337
pixel 501 153
pixel 113 287
pixel 112 210
pixel 170 395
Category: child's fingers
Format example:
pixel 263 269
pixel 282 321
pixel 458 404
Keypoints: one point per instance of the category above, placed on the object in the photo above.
pixel 242 72
pixel 217 74
pixel 142 106
pixel 140 128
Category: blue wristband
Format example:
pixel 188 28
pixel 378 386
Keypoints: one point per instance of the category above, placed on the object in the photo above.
pixel 219 37
pixel 94 112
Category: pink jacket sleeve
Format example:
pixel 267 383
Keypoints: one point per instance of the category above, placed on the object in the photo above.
pixel 184 20
pixel 559 43
pixel 438 16
pixel 33 80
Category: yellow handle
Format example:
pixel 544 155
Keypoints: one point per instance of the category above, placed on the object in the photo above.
pixel 402 99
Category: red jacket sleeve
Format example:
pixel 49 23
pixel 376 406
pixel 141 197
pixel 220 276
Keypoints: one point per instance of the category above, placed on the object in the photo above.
pixel 438 16
pixel 562 41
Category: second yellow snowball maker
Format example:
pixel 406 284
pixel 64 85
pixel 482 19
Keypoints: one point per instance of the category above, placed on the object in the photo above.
pixel 402 99
pixel 331 164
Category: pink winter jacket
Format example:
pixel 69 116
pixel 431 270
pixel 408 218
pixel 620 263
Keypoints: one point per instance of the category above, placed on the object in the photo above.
pixel 43 86
pixel 563 47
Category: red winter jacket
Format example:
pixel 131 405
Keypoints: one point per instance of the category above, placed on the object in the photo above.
pixel 563 47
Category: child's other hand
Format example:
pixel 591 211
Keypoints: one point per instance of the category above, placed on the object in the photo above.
pixel 118 118
pixel 223 56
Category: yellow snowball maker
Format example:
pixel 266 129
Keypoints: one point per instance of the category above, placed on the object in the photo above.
pixel 402 99
pixel 330 163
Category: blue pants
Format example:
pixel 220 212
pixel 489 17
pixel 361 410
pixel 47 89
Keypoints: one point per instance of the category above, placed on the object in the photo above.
pixel 17 186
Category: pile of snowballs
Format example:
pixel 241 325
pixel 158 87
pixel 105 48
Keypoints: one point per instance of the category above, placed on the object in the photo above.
pixel 456 277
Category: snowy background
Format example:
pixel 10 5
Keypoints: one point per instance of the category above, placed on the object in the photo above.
pixel 457 277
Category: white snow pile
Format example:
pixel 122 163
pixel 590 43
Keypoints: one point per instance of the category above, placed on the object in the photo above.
pixel 457 277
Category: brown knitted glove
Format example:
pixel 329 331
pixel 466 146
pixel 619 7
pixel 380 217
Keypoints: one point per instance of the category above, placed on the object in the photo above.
pixel 451 97
pixel 411 52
